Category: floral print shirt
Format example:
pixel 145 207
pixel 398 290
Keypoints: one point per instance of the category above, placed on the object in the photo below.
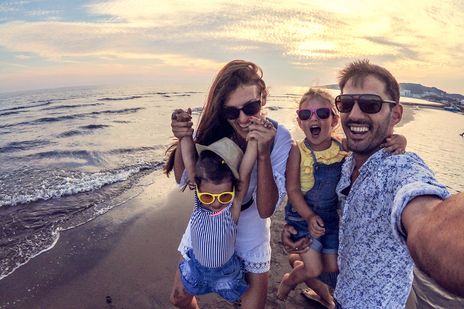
pixel 374 261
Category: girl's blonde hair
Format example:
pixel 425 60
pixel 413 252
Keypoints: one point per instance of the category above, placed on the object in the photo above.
pixel 324 95
pixel 316 93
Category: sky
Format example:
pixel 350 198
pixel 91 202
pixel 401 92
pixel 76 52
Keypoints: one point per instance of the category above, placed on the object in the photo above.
pixel 56 43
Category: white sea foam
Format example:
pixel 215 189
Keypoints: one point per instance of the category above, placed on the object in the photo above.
pixel 63 185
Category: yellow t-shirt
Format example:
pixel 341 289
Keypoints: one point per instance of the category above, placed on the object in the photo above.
pixel 331 155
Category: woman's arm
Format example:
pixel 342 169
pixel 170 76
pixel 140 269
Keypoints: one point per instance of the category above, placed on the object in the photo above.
pixel 266 192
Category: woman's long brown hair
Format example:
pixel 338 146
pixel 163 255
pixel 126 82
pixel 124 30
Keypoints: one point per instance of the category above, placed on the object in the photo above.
pixel 212 125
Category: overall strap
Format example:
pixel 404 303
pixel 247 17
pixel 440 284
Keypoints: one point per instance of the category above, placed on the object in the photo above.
pixel 312 152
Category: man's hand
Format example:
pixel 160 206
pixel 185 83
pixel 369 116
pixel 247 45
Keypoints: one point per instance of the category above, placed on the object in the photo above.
pixel 299 246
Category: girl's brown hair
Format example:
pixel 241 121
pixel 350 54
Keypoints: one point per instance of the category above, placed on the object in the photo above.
pixel 213 125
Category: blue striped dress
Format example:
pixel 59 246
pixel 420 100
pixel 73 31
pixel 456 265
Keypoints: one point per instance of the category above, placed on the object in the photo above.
pixel 213 237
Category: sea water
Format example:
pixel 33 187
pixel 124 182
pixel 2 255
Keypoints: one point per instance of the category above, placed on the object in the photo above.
pixel 68 155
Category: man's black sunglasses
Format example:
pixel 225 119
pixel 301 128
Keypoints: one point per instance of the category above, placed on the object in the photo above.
pixel 368 103
pixel 250 108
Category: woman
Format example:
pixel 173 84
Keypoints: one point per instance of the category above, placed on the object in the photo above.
pixel 233 109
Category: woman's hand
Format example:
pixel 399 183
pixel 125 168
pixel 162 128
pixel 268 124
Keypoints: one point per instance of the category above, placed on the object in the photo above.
pixel 299 246
pixel 263 131
pixel 316 226
pixel 181 123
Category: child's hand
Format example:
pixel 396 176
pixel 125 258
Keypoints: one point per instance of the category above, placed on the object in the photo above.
pixel 316 226
pixel 181 123
pixel 395 144
pixel 182 115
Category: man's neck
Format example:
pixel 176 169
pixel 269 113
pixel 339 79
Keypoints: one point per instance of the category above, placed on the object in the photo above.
pixel 359 160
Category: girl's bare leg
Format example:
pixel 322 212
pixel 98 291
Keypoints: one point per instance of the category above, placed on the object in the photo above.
pixel 255 296
pixel 179 297
pixel 310 268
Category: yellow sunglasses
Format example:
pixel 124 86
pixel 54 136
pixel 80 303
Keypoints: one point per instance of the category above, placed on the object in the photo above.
pixel 208 198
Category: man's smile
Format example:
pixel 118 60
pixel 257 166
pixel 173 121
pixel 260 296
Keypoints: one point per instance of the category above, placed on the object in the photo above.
pixel 358 129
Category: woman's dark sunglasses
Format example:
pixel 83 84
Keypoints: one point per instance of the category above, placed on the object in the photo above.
pixel 250 108
pixel 368 103
pixel 321 113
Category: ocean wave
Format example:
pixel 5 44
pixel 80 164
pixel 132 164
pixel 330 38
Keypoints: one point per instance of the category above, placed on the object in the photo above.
pixel 86 130
pixel 72 133
pixel 25 106
pixel 121 98
pixel 23 145
pixel 71 106
pixel 10 113
pixel 94 126
pixel 118 111
pixel 138 149
pixel 74 116
pixel 54 154
pixel 63 183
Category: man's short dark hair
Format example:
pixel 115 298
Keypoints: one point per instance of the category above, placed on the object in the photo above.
pixel 358 70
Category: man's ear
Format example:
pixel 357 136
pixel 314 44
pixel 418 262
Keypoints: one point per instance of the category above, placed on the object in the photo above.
pixel 397 114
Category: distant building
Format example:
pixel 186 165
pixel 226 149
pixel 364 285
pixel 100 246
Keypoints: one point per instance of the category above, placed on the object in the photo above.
pixel 405 93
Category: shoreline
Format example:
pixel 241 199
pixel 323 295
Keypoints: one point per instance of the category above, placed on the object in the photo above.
pixel 126 258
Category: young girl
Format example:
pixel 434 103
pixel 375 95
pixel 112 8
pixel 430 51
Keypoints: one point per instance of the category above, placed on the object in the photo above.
pixel 213 266
pixel 313 171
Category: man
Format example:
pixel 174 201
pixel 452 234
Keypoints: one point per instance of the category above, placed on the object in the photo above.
pixel 394 212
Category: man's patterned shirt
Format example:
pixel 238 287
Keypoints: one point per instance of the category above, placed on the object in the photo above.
pixel 374 261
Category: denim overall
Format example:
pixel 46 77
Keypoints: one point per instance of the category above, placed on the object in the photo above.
pixel 323 200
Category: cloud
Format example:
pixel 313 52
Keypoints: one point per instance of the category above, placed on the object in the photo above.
pixel 299 37
pixel 23 57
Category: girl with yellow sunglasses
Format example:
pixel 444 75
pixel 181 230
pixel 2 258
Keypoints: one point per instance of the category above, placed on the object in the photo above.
pixel 219 173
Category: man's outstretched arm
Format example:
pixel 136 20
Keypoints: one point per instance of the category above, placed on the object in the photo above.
pixel 435 238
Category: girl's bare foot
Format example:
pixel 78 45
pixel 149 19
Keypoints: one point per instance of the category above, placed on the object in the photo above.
pixel 284 288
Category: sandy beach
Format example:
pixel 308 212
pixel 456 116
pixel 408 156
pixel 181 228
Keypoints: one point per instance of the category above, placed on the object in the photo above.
pixel 125 259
